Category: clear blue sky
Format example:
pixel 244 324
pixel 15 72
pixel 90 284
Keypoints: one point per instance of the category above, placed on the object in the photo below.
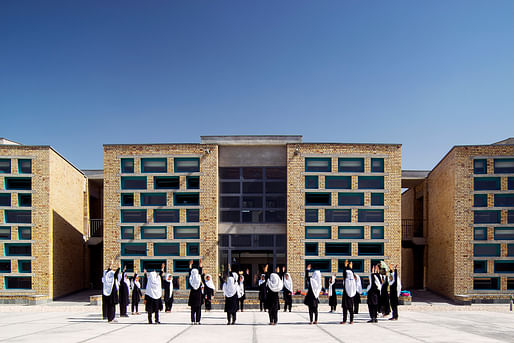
pixel 427 74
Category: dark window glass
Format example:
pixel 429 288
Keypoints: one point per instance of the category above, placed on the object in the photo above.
pixel 510 183
pixel 133 249
pixel 193 249
pixel 133 216
pixel 276 173
pixel 377 232
pixel 230 202
pixel 480 200
pixel 24 200
pixel 17 282
pixel 311 249
pixel 251 202
pixel 241 240
pixel 487 217
pixel 185 199
pixel 338 216
pixel 18 183
pixel 127 232
pixel 153 232
pixel 192 215
pixel 265 240
pixel 311 182
pixel 153 165
pixel 166 249
pixel 252 187
pixel 486 283
pixel 275 201
pixel 153 265
pixel 486 250
pixel 510 217
pixel 127 199
pixel 504 266
pixel 182 266
pixel 318 165
pixel 252 216
pixel 505 233
pixel 276 187
pixel 5 166
pixel 280 241
pixel 128 264
pixel 317 199
pixel 504 200
pixel 230 217
pixel 5 232
pixel 5 199
pixel 187 165
pixel 357 266
pixel 480 166
pixel 343 249
pixel 371 249
pixel 127 165
pixel 166 216
pixel 17 249
pixel 186 232
pixel 351 232
pixel 193 182
pixel 480 267
pixel 351 165
pixel 371 182
pixel 504 165
pixel 323 266
pixel 480 234
pixel 133 182
pixel 275 216
pixel 510 283
pixel 510 249
pixel 223 239
pixel 486 183
pixel 377 165
pixel 166 182
pixel 317 232
pixel 371 216
pixel 5 266
pixel 153 199
pixel 351 199
pixel 24 166
pixel 24 266
pixel 230 173
pixel 24 233
pixel 230 187
pixel 311 216
pixel 252 173
pixel 377 199
pixel 338 182
pixel 22 217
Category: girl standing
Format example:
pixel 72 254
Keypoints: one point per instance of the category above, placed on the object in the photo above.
pixel 350 289
pixel 230 292
pixel 332 296
pixel 241 292
pixel 274 285
pixel 373 294
pixel 196 294
pixel 312 297
pixel 136 293
pixel 288 292
pixel 124 293
pixel 153 295
pixel 167 284
pixel 209 292
pixel 262 292
pixel 395 287
pixel 110 292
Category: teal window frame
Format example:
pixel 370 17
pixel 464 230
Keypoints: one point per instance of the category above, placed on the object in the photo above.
pixel 510 183
pixel 21 168
pixel 328 263
pixel 144 264
pixel 157 245
pixel 377 165
pixel 8 186
pixel 315 247
pixel 496 180
pixel 479 166
pixel 340 265
pixel 492 278
pixel 9 221
pixel 22 201
pixel 133 178
pixel 5 231
pixel 343 195
pixel 190 216
pixel 196 236
pixel 363 211
pixel 326 229
pixel 159 178
pixel 125 232
pixel 497 221
pixel 498 200
pixel 479 266
pixel 498 230
pixel 6 270
pixel 511 262
pixel 189 179
pixel 497 246
pixel 146 228
pixel 501 170
pixel 359 245
pixel 128 264
pixel 7 168
pixel 318 203
pixel 330 213
pixel 178 159
pixel 377 232
pixel 480 200
pixel 126 169
pixel 154 159
pixel 125 199
pixel 144 196
pixel 479 232
pixel 359 169
pixel 8 245
pixel 185 267
pixel 6 197
pixel 191 245
pixel 311 210
pixel 510 250
pixel 20 265
pixel 124 245
pixel 7 278
pixel 363 178
pixel 341 235
pixel 156 211
pixel 138 210
pixel 188 204
pixel 334 245
pixel 21 229
pixel 311 182
pixel 377 199
pixel 319 169
pixel 330 178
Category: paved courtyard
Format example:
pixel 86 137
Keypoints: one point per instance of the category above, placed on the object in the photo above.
pixel 63 323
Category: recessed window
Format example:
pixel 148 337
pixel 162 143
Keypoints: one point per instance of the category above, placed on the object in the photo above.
pixel 504 266
pixel 480 166
pixel 323 165
pixel 486 283
pixel 166 216
pixel 187 165
pixel 128 265
pixel 5 266
pixel 351 232
pixel 357 266
pixel 479 266
pixel 5 166
pixel 487 217
pixel 371 249
pixel 317 199
pixel 275 201
pixel 510 217
pixel 252 216
pixel 17 249
pixel 153 165
pixel 18 183
pixel 371 216
pixel 250 173
pixel 486 184
pixel 5 232
pixel 504 200
pixel 127 165
pixel 153 199
pixel 25 166
pixel 377 232
pixel 311 215
pixel 371 182
pixel 276 173
pixel 193 182
pixel 24 266
pixel 324 266
pixel 153 232
pixel 5 199
pixel 510 183
pixel 377 165
pixel 510 283
pixel 311 249
pixel 317 232
pixel 480 234
pixel 504 165
pixel 377 199
pixel 186 199
pixel 133 182
pixel 24 200
pixel 480 200
pixel 193 249
pixel 355 165
pixel 230 173
pixel 253 187
pixel 252 202
pixel 276 187
pixel 166 249
pixel 338 216
pixel 351 199
pixel 22 217
pixel 338 182
pixel 486 249
pixel 338 249
pixel 230 216
pixel 166 182
pixel 182 266
pixel 133 249
pixel 311 182
pixel 230 187
pixel 17 282
pixel 510 249
pixel 192 215
pixel 154 265
pixel 127 232
pixel 504 233
pixel 24 233
pixel 133 216
pixel 127 199
pixel 186 232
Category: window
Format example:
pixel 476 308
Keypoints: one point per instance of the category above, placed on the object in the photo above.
pixel 18 183
pixel 182 266
pixel 17 282
pixel 487 217
pixel 127 199
pixel 479 266
pixel 480 234
pixel 371 182
pixel 133 182
pixel 24 166
pixel 153 232
pixel 250 173
pixel 133 249
pixel 127 232
pixel 317 199
pixel 486 184
pixel 186 199
pixel 338 249
pixel 504 200
pixel 357 265
pixel 133 216
pixel 486 283
pixel 510 283
pixel 12 249
pixel 193 182
pixel 230 216
pixel 153 165
pixel 505 233
pixel 153 199
pixel 486 249
pixel 128 264
pixel 371 216
pixel 371 249
pixel 5 199
pixel 5 266
pixel 166 182
pixel 276 187
pixel 24 266
pixel 504 165
pixel 351 199
pixel 153 265
pixel 504 266
pixel 318 165
pixel 22 217
pixel 338 216
pixel 480 166
pixel 251 201
pixel 166 216
pixel 127 165
pixel 377 232
pixel 277 201
pixel 480 200
pixel 241 240
pixel 317 232
pixel 193 249
pixel 377 165
pixel 5 232
pixel 187 165
pixel 377 199
pixel 192 215
pixel 24 233
pixel 311 182
pixel 351 165
pixel 230 173
pixel 186 232
pixel 166 249
pixel 253 187
pixel 510 249
pixel 311 215
pixel 510 217
pixel 230 187
pixel 324 266
pixel 5 166
pixel 24 200
pixel 338 182
pixel 311 249
pixel 351 232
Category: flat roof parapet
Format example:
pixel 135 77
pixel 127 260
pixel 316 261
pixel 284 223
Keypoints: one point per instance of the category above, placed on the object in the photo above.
pixel 251 140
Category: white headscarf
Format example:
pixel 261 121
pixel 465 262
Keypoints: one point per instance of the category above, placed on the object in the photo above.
pixel 195 279
pixel 332 281
pixel 134 282
pixel 108 281
pixel 350 287
pixel 241 287
pixel 358 284
pixel 154 285
pixel 127 281
pixel 374 278
pixel 169 278
pixel 316 283
pixel 398 284
pixel 288 283
pixel 274 283
pixel 230 287
pixel 209 282
pixel 261 281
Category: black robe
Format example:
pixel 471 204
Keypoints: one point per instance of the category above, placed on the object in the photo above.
pixel 310 300
pixel 232 303
pixel 262 291
pixel 124 291
pixel 394 290
pixel 272 300
pixel 383 301
pixel 168 295
pixel 373 293
pixel 195 295
pixel 332 300
pixel 136 292
pixel 113 298
pixel 347 300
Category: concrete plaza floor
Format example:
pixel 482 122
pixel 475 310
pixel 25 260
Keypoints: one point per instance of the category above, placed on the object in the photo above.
pixel 63 322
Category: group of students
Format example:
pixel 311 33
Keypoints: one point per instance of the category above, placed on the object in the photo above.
pixel 116 288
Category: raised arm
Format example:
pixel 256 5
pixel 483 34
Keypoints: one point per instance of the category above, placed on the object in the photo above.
pixel 190 266
pixel 307 279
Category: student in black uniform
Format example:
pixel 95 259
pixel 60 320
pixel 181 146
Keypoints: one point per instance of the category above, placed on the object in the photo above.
pixel 124 293
pixel 110 292
pixel 373 294
pixel 209 292
pixel 262 292
pixel 230 293
pixel 288 291
pixel 195 294
pixel 357 298
pixel 153 295
pixel 273 286
pixel 332 295
pixel 136 292
pixel 312 297
pixel 167 284
pixel 350 289
pixel 241 296
pixel 383 300
pixel 395 287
